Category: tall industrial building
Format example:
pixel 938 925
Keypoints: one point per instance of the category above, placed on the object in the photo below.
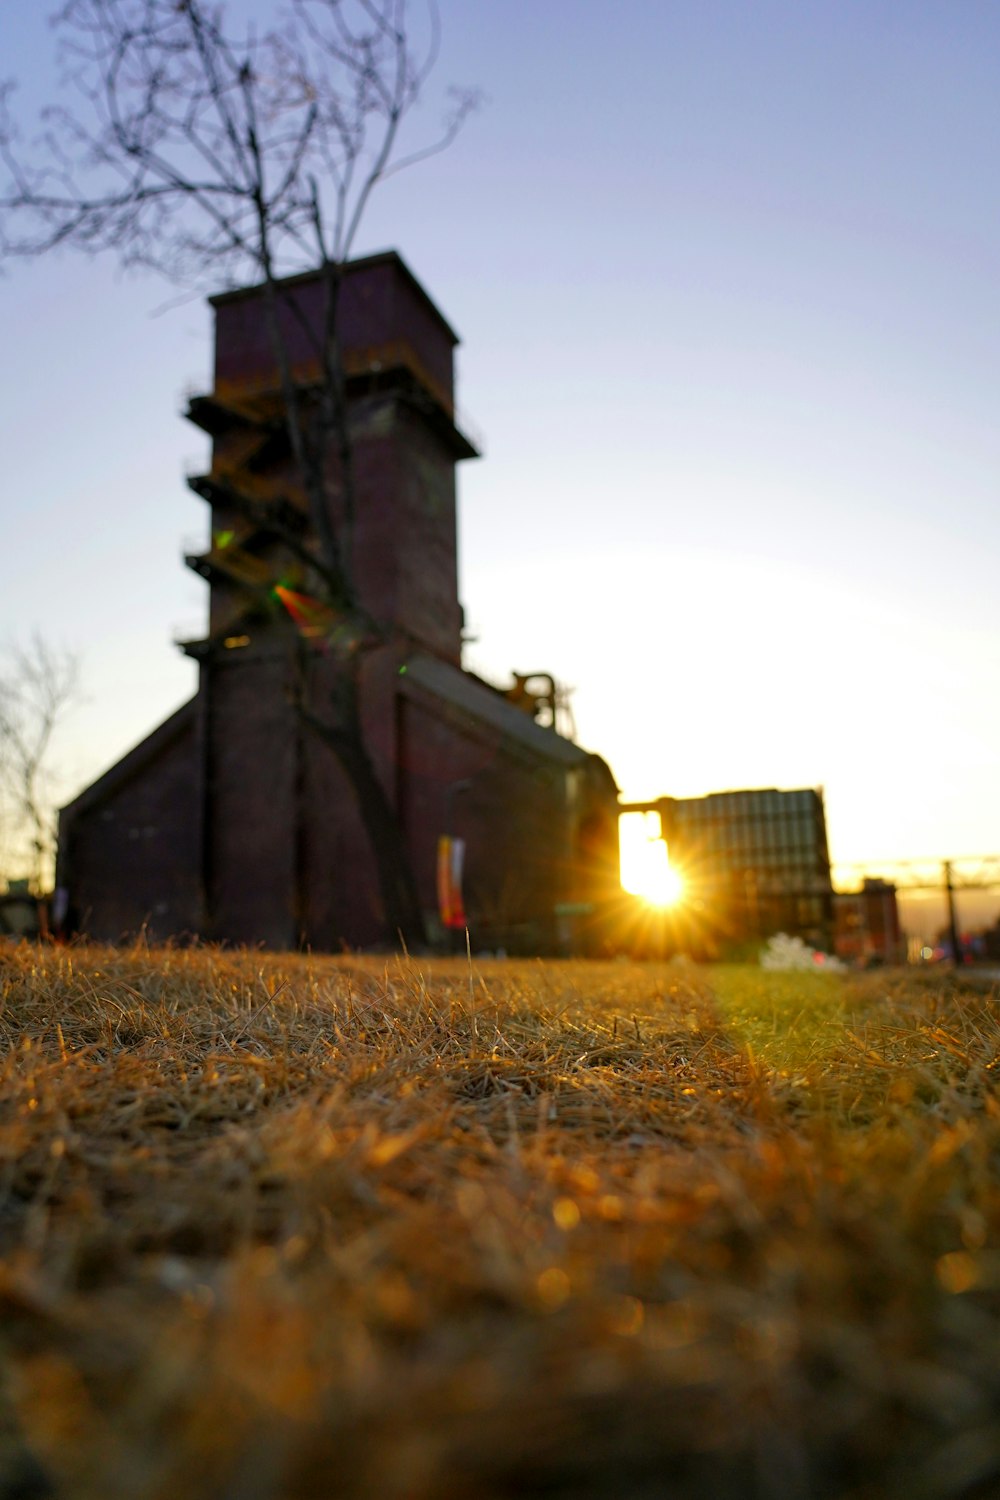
pixel 233 821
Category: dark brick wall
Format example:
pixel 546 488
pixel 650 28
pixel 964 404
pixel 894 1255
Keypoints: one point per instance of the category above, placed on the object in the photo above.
pixel 251 769
pixel 428 541
pixel 343 908
pixel 130 857
pixel 379 305
pixel 405 547
pixel 524 820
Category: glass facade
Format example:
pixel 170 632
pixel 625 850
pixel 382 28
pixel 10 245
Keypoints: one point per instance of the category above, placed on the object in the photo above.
pixel 754 862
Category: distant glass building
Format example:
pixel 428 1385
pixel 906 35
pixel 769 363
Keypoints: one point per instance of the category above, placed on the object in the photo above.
pixel 754 863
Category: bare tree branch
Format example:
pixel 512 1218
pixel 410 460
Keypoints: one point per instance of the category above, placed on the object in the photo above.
pixel 38 685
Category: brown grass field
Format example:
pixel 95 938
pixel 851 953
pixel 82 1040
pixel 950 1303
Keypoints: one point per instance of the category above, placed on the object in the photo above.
pixel 281 1228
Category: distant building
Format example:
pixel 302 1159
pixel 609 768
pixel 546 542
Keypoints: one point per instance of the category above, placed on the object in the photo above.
pixel 867 928
pixel 753 863
pixel 232 821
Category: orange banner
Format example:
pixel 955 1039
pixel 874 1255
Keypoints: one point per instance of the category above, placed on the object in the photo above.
pixel 451 859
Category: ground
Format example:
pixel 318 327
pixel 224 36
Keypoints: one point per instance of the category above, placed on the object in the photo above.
pixel 280 1228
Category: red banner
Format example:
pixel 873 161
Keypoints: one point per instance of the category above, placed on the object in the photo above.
pixel 451 858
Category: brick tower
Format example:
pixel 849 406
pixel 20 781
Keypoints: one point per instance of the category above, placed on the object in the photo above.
pixel 261 774
pixel 233 820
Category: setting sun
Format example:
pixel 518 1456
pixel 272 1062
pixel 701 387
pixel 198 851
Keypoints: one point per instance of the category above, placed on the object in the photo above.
pixel 646 870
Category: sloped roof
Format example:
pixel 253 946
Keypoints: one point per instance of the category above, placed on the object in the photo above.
pixel 484 705
pixel 472 698
pixel 136 759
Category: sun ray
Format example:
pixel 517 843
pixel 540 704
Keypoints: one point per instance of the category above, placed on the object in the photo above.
pixel 646 870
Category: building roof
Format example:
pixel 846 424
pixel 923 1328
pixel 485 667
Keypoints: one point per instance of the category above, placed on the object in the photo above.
pixel 136 759
pixel 484 705
pixel 469 695
pixel 683 803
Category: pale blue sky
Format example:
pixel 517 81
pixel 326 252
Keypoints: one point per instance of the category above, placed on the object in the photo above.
pixel 726 279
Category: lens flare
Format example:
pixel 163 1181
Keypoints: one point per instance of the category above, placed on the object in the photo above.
pixel 646 870
pixel 312 616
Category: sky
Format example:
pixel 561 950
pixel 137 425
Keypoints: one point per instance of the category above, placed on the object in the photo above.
pixel 725 277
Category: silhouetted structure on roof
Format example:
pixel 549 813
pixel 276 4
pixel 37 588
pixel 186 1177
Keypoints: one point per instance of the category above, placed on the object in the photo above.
pixel 231 820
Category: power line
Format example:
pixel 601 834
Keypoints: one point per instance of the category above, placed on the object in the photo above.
pixel 974 872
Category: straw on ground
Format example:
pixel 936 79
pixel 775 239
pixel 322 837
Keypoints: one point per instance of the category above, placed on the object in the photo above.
pixel 277 1227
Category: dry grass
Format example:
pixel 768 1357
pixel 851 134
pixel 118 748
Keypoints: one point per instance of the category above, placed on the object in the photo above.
pixel 279 1228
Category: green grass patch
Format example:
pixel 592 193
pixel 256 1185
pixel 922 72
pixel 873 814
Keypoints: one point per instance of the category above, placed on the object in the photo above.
pixel 788 1020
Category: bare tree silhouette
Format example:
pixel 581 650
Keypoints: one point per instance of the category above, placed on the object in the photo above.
pixel 37 686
